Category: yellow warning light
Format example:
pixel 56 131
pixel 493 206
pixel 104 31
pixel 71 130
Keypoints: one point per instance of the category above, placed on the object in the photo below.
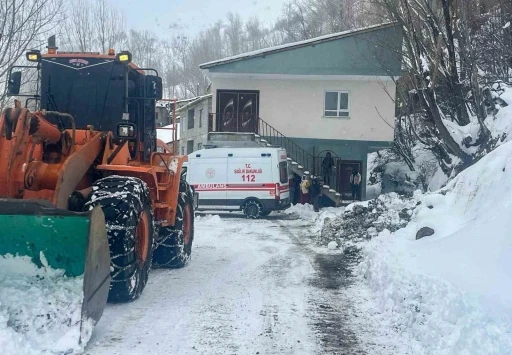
pixel 124 57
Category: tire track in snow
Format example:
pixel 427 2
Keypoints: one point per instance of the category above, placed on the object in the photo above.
pixel 328 306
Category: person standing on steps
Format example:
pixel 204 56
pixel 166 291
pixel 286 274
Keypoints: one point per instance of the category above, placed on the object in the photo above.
pixel 355 182
pixel 327 164
pixel 304 189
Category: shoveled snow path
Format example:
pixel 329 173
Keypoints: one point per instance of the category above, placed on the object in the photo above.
pixel 253 286
pixel 243 292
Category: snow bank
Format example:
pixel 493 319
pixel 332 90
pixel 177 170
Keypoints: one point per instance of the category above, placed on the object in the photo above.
pixel 451 292
pixel 316 220
pixel 305 211
pixel 501 125
pixel 210 219
pixel 40 310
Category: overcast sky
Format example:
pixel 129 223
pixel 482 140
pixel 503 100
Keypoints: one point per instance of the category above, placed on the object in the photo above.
pixel 192 16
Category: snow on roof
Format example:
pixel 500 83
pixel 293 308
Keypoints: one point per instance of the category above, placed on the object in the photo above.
pixel 194 101
pixel 284 47
pixel 167 103
pixel 166 135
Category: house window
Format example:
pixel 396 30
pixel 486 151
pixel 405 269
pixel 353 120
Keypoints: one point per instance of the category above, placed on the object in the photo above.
pixel 336 104
pixel 190 146
pixel 199 146
pixel 190 118
pixel 200 118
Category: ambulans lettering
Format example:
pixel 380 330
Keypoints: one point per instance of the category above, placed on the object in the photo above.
pixel 211 186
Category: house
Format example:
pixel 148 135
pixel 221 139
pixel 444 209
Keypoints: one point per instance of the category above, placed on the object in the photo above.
pixel 162 113
pixel 194 123
pixel 333 93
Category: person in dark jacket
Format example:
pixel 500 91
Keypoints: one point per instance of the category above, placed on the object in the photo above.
pixel 327 165
pixel 355 182
pixel 316 190
pixel 296 189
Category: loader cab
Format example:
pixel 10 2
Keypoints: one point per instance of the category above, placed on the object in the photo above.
pixel 107 92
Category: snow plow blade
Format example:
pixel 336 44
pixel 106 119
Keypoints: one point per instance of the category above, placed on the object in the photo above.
pixel 75 243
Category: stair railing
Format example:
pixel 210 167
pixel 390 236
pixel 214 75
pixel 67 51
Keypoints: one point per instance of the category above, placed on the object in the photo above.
pixel 293 150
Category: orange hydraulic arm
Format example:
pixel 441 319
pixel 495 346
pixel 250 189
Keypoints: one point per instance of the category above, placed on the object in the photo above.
pixel 39 161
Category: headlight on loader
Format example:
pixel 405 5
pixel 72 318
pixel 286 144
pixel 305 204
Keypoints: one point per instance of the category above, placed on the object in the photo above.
pixel 34 56
pixel 124 57
pixel 126 131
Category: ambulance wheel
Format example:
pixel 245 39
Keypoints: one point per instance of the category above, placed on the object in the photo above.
pixel 174 244
pixel 126 203
pixel 252 209
pixel 265 213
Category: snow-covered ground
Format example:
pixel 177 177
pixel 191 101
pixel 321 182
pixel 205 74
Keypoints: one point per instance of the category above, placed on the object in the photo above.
pixel 450 293
pixel 252 286
pixel 244 291
pixel 40 309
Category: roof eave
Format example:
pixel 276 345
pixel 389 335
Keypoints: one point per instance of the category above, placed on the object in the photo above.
pixel 312 42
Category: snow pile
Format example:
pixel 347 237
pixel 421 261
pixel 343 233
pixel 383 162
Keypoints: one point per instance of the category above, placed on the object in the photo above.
pixel 210 219
pixel 388 172
pixel 501 125
pixel 450 291
pixel 363 220
pixel 40 310
pixel 314 220
pixel 301 211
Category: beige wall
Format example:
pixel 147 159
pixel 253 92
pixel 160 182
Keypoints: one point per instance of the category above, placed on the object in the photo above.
pixel 199 133
pixel 294 106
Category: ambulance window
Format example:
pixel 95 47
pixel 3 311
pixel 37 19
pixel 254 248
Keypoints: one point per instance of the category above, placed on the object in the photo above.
pixel 283 172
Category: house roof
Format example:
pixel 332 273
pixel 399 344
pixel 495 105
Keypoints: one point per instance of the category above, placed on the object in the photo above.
pixel 193 101
pixel 167 103
pixel 289 46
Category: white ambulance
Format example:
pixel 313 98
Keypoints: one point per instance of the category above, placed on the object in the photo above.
pixel 253 180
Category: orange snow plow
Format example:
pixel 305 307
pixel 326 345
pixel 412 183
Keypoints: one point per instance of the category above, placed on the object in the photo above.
pixel 85 186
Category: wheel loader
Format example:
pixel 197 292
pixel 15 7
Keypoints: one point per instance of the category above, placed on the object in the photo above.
pixel 84 182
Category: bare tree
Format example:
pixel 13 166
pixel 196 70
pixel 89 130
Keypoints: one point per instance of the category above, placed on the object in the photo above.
pixel 235 33
pixel 144 48
pixel 110 27
pixel 24 24
pixel 93 26
pixel 78 32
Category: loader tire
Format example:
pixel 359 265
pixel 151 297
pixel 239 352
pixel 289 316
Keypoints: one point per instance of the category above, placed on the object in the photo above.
pixel 174 243
pixel 126 204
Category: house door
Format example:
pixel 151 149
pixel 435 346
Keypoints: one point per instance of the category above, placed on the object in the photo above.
pixel 345 168
pixel 237 111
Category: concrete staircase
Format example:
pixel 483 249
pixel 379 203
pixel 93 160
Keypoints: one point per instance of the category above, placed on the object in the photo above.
pixel 298 169
pixel 246 140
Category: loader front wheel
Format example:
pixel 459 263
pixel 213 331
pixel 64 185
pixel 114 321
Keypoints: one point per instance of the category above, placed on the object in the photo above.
pixel 174 244
pixel 130 224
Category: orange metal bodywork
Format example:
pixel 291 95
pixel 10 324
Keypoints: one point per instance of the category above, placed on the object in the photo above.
pixel 36 163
